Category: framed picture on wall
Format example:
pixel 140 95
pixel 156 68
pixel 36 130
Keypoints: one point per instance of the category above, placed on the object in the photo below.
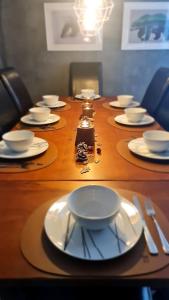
pixel 145 26
pixel 62 30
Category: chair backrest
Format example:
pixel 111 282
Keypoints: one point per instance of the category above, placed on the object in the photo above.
pixel 9 114
pixel 85 75
pixel 16 89
pixel 162 111
pixel 155 90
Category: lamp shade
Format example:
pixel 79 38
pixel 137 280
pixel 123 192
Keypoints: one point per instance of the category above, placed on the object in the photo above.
pixel 91 15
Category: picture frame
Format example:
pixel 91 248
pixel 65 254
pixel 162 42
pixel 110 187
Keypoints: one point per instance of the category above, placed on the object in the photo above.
pixel 145 26
pixel 62 30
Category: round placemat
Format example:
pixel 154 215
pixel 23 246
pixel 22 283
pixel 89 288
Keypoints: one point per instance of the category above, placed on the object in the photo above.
pixel 58 125
pixel 148 164
pixel 72 99
pixel 40 253
pixel 30 164
pixel 64 108
pixel 107 105
pixel 152 126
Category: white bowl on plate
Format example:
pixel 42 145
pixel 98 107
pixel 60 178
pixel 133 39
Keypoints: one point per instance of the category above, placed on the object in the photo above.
pixel 88 93
pixel 125 100
pixel 40 114
pixel 135 114
pixel 50 99
pixel 18 140
pixel 94 207
pixel 156 140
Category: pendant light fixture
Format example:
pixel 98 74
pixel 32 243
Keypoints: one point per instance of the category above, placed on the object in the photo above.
pixel 92 14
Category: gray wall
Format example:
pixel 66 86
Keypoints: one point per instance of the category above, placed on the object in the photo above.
pixel 23 45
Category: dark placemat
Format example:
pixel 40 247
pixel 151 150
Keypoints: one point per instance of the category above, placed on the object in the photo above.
pixel 30 164
pixel 153 126
pixel 51 127
pixel 40 253
pixel 148 164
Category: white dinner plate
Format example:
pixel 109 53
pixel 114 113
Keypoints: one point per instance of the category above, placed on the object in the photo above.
pixel 57 105
pixel 117 104
pixel 139 147
pixel 28 120
pixel 37 147
pixel 81 97
pixel 122 119
pixel 74 240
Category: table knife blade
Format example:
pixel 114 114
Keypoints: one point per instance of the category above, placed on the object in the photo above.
pixel 148 237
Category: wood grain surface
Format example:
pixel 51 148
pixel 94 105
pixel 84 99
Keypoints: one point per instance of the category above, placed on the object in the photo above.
pixel 21 194
pixel 111 165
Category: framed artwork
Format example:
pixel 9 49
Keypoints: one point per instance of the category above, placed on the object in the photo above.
pixel 62 30
pixel 145 26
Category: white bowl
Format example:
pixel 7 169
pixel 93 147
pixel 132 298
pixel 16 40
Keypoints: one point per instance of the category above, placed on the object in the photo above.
pixel 135 114
pixel 40 114
pixel 87 93
pixel 156 140
pixel 125 100
pixel 18 140
pixel 94 207
pixel 50 99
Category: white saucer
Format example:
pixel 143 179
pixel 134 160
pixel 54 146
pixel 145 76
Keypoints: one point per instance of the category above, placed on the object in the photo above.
pixel 57 105
pixel 28 120
pixel 117 239
pixel 117 104
pixel 139 147
pixel 38 146
pixel 122 119
pixel 81 97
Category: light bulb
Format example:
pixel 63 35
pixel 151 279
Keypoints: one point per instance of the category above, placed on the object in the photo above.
pixel 92 14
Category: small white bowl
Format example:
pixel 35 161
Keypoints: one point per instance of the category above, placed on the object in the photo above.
pixel 125 100
pixel 50 99
pixel 18 140
pixel 87 93
pixel 135 114
pixel 39 114
pixel 156 140
pixel 94 207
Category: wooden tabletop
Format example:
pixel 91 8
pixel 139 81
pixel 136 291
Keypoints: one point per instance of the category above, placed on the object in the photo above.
pixel 22 193
pixel 111 166
pixel 20 199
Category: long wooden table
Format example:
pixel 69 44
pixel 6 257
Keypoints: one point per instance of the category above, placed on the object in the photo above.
pixel 111 167
pixel 22 193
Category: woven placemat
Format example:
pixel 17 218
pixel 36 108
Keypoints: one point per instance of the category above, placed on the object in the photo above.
pixel 152 126
pixel 40 253
pixel 58 125
pixel 107 105
pixel 148 164
pixel 30 164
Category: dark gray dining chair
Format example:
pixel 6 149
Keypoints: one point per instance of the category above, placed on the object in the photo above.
pixel 85 75
pixel 9 113
pixel 16 89
pixel 155 91
pixel 161 113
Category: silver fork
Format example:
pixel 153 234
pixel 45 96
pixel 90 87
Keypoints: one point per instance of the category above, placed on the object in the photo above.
pixel 151 212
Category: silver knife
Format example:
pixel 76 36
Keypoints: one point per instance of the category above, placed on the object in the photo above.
pixel 148 237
